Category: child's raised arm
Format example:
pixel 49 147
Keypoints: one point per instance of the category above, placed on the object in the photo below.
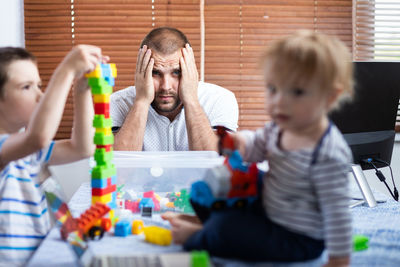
pixel 46 118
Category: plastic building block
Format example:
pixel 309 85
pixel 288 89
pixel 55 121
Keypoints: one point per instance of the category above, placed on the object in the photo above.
pixel 103 171
pixel 106 223
pixel 100 121
pixel 91 216
pixel 146 202
pixel 102 108
pixel 101 90
pixel 137 227
pixel 101 139
pixel 103 198
pixel 147 211
pixel 102 157
pixel 226 144
pixel 199 259
pixel 232 185
pixel 104 131
pixel 103 182
pixel 132 205
pixel 157 235
pixel 183 202
pixel 104 191
pixel 107 148
pixel 122 228
pixel 154 197
pixel 95 73
pixel 103 98
pixel 360 242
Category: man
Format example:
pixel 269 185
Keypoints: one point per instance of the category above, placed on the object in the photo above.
pixel 169 109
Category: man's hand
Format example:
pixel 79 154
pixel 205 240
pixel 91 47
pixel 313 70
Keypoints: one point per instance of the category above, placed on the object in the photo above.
pixel 144 76
pixel 189 80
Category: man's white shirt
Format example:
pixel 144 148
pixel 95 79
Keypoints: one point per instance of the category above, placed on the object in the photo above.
pixel 218 103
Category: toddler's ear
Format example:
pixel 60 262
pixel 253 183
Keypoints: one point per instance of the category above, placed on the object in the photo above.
pixel 334 95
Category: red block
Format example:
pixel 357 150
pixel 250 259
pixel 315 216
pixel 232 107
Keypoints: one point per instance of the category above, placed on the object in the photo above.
pixel 102 108
pixel 132 205
pixel 107 147
pixel 104 191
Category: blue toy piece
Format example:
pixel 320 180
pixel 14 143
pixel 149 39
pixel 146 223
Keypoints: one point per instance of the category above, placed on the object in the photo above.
pixel 233 185
pixel 146 202
pixel 106 72
pixel 122 228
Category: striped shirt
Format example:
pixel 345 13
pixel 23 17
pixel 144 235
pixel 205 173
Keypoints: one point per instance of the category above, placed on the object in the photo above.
pixel 306 191
pixel 218 103
pixel 24 220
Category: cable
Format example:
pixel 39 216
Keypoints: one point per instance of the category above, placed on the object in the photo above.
pixel 381 177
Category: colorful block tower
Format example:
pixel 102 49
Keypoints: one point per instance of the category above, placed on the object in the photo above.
pixel 104 179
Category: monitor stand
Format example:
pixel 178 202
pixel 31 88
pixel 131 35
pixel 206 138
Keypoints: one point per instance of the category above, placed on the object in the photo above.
pixel 363 185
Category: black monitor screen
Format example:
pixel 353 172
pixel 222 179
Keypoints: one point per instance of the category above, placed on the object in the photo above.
pixel 375 103
pixel 368 121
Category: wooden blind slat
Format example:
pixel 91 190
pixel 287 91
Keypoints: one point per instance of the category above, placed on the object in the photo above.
pixel 236 34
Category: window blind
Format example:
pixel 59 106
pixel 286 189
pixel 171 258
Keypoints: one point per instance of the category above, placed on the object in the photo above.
pixel 48 37
pixel 377 33
pixel 236 33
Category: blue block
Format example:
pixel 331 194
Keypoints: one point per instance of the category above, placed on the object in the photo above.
pixel 122 228
pixel 236 161
pixel 102 183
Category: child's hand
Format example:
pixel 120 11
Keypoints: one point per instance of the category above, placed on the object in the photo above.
pixel 82 59
pixel 81 84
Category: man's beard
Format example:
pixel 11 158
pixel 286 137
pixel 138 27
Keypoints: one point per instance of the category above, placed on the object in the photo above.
pixel 157 105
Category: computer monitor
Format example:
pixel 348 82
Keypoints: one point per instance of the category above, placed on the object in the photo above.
pixel 368 121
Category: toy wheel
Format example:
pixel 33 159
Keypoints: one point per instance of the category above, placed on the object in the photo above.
pixel 96 232
pixel 241 203
pixel 218 205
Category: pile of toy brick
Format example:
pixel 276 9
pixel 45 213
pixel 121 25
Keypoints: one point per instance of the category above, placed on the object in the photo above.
pixel 101 80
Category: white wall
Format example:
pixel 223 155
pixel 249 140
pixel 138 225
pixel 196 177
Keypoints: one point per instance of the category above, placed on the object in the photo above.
pixel 12 23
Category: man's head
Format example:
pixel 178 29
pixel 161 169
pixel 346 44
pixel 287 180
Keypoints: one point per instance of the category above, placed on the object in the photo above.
pixel 166 44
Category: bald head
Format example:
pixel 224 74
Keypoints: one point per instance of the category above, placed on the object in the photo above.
pixel 165 40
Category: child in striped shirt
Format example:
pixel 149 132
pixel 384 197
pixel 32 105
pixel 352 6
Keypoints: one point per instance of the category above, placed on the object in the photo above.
pixel 305 205
pixel 29 120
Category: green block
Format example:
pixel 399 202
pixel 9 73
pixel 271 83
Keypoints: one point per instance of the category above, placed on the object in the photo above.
pixel 101 139
pixel 103 171
pixel 200 259
pixel 360 242
pixel 100 121
pixel 101 90
pixel 99 86
pixel 183 202
pixel 102 157
pixel 97 82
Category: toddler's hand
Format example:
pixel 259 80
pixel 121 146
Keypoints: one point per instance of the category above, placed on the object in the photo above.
pixel 182 230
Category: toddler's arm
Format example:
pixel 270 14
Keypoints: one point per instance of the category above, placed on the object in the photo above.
pixel 46 118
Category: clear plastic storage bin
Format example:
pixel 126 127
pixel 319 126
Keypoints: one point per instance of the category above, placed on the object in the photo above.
pixel 163 177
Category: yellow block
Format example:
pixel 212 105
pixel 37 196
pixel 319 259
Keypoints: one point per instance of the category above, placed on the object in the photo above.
pixel 103 199
pixel 106 131
pixel 94 74
pixel 103 98
pixel 137 227
pixel 157 235
pixel 113 70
